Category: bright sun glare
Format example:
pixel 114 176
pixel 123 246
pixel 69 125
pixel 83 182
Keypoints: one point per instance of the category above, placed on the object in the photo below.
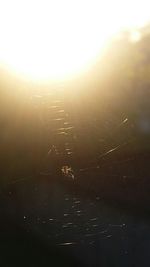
pixel 55 39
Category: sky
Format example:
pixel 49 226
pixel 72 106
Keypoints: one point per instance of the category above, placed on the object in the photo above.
pixel 46 38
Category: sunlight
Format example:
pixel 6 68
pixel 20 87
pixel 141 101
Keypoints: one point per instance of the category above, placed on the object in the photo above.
pixel 61 38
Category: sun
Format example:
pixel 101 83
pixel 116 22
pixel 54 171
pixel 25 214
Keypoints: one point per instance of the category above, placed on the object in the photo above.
pixel 47 39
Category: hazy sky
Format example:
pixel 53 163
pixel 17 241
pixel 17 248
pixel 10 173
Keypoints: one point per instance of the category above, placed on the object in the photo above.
pixel 62 36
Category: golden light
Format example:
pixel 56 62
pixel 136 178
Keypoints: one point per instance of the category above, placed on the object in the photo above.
pixel 45 39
